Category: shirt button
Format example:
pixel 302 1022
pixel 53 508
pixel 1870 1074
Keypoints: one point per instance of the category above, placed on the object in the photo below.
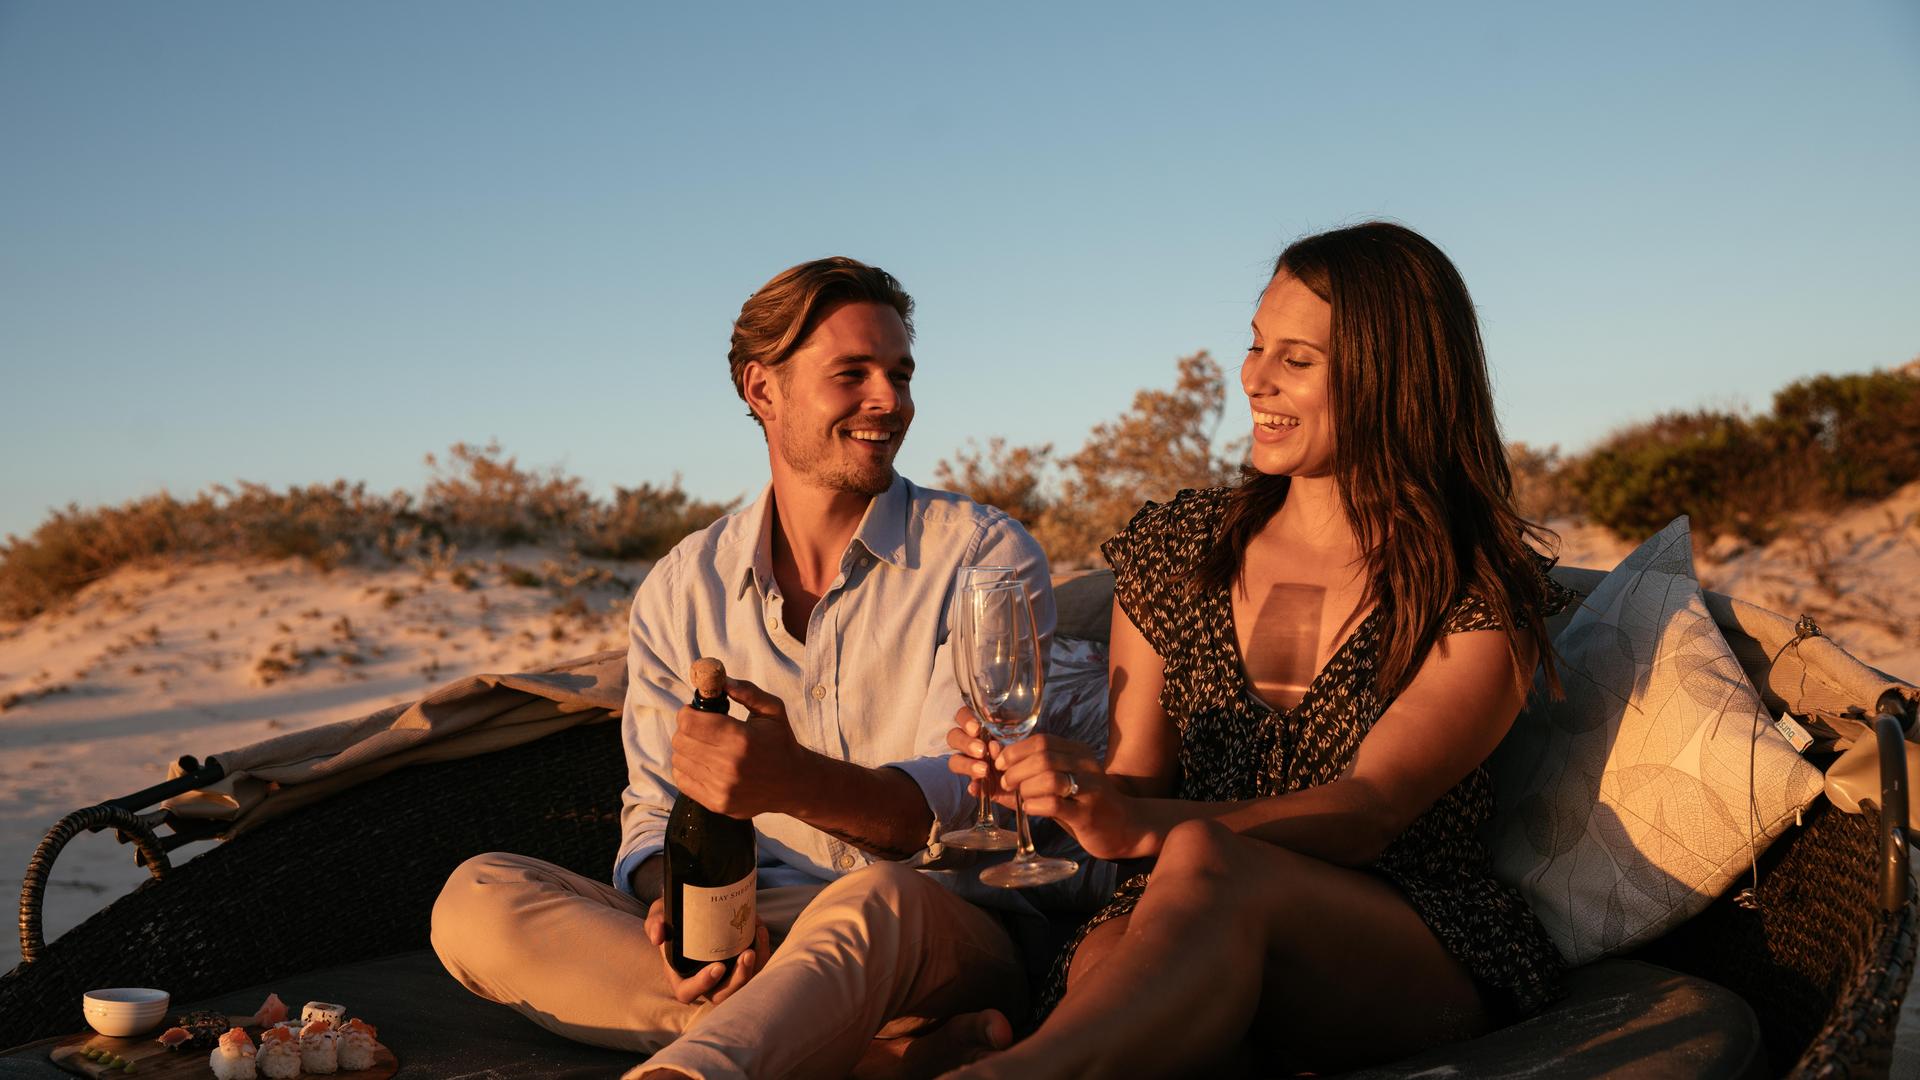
pixel 773 621
pixel 845 861
pixel 866 560
pixel 819 692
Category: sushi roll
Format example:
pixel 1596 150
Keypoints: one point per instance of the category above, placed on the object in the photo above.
pixel 357 1045
pixel 317 1053
pixel 324 1010
pixel 232 1058
pixel 279 1056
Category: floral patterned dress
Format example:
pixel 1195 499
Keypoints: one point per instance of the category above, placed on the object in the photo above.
pixel 1234 746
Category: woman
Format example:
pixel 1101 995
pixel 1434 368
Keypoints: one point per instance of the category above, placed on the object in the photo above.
pixel 1308 671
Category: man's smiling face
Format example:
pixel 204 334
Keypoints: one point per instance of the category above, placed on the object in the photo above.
pixel 841 404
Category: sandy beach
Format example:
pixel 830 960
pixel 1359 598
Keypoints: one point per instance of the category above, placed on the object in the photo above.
pixel 153 663
pixel 156 662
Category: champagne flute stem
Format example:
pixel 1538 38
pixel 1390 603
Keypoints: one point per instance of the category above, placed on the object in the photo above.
pixel 1023 844
pixel 983 817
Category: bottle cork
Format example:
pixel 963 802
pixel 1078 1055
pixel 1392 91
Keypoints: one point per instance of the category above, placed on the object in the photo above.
pixel 709 677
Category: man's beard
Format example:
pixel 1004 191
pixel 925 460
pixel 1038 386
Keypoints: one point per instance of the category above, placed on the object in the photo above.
pixel 820 462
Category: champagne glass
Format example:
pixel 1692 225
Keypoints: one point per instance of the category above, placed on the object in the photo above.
pixel 1009 675
pixel 985 834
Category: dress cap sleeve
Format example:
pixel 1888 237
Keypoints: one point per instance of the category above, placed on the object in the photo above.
pixel 1154 557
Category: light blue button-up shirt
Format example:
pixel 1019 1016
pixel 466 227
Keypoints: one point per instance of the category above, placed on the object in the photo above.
pixel 872 683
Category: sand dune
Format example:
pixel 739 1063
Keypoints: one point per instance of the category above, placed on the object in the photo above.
pixel 153 663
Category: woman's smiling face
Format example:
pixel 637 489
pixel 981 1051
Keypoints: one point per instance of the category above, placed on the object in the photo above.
pixel 1286 377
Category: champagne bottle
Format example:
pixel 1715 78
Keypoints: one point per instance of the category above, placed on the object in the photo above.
pixel 710 863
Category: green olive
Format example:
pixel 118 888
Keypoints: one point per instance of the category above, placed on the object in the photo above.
pixel 129 1066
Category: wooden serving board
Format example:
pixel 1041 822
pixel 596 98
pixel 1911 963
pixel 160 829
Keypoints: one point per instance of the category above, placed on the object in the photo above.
pixel 150 1059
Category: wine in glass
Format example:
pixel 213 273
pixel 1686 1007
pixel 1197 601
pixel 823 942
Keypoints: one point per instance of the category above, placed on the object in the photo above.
pixel 1009 676
pixel 985 834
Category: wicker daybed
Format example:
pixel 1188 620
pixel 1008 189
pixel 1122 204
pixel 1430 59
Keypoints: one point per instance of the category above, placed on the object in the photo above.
pixel 1807 982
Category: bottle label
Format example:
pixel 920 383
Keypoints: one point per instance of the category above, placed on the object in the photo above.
pixel 717 923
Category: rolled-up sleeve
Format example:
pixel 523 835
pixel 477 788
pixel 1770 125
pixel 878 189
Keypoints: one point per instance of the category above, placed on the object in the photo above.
pixel 1002 542
pixel 646 729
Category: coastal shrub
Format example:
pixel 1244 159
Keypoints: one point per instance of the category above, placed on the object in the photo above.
pixel 74 547
pixel 1720 469
pixel 477 496
pixel 1829 441
pixel 480 496
pixel 325 524
pixel 1013 478
pixel 1542 483
pixel 1163 443
pixel 645 522
pixel 1861 430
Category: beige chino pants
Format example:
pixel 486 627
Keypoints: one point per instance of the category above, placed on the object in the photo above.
pixel 883 951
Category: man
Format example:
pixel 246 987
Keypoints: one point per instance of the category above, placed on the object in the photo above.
pixel 827 599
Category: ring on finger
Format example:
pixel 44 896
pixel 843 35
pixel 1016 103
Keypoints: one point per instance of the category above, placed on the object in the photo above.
pixel 1073 787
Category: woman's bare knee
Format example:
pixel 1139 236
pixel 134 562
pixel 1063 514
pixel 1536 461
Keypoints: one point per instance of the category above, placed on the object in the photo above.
pixel 1196 848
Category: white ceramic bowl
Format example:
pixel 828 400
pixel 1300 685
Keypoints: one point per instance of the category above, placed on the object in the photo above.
pixel 125 1010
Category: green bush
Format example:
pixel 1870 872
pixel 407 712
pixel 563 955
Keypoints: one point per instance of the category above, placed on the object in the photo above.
pixel 1862 429
pixel 1830 440
pixel 1702 464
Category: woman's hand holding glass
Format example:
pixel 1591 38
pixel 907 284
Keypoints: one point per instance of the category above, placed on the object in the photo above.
pixel 1006 665
pixel 1057 778
pixel 984 834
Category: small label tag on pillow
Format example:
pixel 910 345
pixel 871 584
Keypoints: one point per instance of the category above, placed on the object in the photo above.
pixel 1791 730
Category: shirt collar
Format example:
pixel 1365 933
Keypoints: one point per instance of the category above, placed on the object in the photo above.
pixel 882 532
pixel 757 528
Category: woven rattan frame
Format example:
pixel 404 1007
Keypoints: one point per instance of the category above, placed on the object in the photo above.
pixel 349 878
pixel 1824 969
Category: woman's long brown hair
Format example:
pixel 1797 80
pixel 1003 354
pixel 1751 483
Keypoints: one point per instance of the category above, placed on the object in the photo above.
pixel 1417 452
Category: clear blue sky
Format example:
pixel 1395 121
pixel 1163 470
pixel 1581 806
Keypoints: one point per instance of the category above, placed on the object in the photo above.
pixel 294 242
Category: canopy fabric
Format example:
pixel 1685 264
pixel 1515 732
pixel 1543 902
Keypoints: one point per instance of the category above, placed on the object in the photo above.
pixel 1795 672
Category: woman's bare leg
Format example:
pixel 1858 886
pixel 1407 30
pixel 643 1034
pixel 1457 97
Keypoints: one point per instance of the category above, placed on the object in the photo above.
pixel 1323 966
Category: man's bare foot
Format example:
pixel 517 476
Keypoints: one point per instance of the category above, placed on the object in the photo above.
pixel 961 1040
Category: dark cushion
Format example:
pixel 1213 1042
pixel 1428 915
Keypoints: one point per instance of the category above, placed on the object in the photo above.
pixel 1620 1017
pixel 1083 605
